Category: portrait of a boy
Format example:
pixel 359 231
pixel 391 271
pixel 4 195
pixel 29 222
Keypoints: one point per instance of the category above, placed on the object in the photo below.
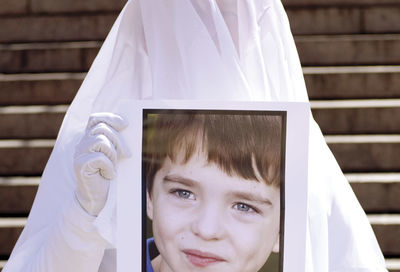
pixel 213 189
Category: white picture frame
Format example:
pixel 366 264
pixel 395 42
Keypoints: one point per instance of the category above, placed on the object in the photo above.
pixel 131 201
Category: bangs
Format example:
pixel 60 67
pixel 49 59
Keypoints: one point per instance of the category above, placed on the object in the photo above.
pixel 247 146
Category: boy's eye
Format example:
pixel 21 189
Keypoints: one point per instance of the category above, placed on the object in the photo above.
pixel 183 194
pixel 244 207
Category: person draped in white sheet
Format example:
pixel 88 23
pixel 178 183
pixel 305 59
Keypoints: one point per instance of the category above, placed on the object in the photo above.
pixel 180 49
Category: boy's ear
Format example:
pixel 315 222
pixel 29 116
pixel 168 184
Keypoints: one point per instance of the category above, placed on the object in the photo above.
pixel 149 206
pixel 275 248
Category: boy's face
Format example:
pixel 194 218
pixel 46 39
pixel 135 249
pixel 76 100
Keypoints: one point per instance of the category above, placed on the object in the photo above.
pixel 205 220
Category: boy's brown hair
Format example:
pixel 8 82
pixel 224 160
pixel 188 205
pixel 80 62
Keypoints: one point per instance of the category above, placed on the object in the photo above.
pixel 248 146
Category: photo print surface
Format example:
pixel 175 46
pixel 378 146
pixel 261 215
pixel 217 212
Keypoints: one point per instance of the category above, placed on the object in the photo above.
pixel 215 187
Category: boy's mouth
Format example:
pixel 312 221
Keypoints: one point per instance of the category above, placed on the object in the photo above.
pixel 202 259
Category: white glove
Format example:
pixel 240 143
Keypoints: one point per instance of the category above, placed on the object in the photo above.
pixel 95 160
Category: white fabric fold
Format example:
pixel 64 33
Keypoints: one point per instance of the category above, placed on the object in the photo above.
pixel 58 247
pixel 106 222
pixel 209 50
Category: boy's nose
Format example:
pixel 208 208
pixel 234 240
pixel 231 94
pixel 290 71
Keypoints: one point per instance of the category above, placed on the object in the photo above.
pixel 207 223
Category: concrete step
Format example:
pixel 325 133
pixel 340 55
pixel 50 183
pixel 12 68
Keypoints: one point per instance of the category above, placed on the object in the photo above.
pixel 387 231
pixel 357 153
pixel 314 3
pixel 341 50
pixel 13 7
pixel 334 117
pixel 344 82
pixel 30 122
pixel 10 229
pixel 357 116
pixel 45 21
pixel 32 7
pixel 48 57
pixel 352 82
pixel 366 153
pixel 393 264
pixel 24 157
pixel 377 192
pixel 65 6
pixel 39 89
pixel 313 51
pixel 17 195
pixel 56 27
pixel 344 19
pixel 385 226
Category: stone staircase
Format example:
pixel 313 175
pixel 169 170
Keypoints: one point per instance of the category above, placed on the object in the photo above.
pixel 350 50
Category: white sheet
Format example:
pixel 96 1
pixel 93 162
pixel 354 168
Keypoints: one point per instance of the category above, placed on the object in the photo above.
pixel 203 49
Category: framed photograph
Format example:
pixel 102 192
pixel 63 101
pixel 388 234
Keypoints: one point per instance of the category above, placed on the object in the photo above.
pixel 213 186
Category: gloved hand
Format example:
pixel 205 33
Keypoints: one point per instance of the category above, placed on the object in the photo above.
pixel 96 158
